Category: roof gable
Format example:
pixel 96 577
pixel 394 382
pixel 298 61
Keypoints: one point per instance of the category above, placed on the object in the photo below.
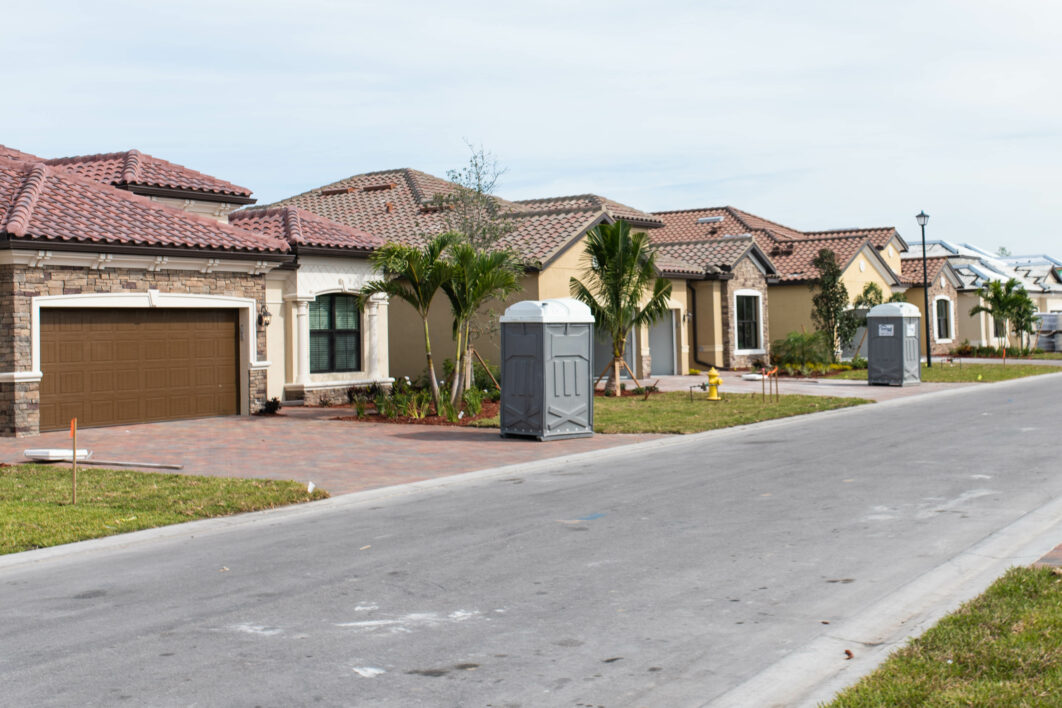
pixel 133 168
pixel 38 202
pixel 299 227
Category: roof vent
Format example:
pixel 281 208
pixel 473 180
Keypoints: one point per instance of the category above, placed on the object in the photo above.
pixel 709 220
pixel 378 187
pixel 337 190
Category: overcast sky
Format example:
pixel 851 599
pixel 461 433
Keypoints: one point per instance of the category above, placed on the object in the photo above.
pixel 814 114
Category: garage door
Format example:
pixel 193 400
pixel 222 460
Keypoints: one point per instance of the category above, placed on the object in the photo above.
pixel 108 367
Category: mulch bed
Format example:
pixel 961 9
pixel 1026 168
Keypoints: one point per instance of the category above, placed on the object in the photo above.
pixel 490 409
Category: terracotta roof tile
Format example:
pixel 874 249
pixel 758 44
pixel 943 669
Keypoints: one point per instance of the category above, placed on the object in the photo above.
pixel 879 237
pixel 613 208
pixel 793 259
pixel 912 270
pixel 135 168
pixel 13 154
pixel 713 255
pixel 302 228
pixel 41 202
pixel 396 205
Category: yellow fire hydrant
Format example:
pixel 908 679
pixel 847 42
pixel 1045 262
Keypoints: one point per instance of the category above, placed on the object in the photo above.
pixel 713 385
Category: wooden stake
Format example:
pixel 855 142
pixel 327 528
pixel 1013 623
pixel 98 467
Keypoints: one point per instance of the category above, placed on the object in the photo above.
pixel 633 377
pixel 485 368
pixel 73 434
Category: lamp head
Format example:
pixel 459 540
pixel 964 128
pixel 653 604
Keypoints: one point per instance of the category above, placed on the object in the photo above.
pixel 922 218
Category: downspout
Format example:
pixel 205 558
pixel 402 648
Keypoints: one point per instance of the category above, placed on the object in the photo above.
pixel 693 312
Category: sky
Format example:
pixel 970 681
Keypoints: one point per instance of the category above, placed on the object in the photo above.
pixel 814 114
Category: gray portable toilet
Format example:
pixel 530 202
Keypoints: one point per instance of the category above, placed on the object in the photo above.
pixel 894 351
pixel 547 387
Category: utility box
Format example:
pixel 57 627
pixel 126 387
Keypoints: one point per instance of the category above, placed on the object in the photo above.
pixel 547 388
pixel 894 351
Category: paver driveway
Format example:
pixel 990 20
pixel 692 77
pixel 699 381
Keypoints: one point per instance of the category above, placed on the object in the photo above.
pixel 304 444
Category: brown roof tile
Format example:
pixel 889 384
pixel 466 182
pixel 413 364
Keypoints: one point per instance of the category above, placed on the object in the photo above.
pixel 13 154
pixel 613 208
pixel 41 202
pixel 912 270
pixel 302 228
pixel 135 168
pixel 397 205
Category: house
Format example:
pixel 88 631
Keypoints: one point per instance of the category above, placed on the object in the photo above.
pixel 945 314
pixel 115 308
pixel 401 205
pixel 321 341
pixel 1039 276
pixel 783 258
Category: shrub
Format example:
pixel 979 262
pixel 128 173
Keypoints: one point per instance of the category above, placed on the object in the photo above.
pixel 858 362
pixel 271 407
pixel 494 394
pixel 474 401
pixel 695 372
pixel 385 405
pixel 449 411
pixel 801 349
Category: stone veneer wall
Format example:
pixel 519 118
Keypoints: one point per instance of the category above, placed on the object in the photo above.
pixel 746 277
pixel 949 292
pixel 19 402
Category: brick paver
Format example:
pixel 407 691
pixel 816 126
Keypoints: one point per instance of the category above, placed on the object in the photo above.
pixel 305 444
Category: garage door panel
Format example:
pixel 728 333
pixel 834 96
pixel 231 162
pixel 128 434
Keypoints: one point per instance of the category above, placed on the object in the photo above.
pixel 123 366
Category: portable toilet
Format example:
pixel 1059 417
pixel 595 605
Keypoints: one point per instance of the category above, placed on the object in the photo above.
pixel 547 388
pixel 894 344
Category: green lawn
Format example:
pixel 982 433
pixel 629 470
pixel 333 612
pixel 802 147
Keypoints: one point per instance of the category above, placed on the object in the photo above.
pixel 35 508
pixel 676 413
pixel 960 373
pixel 1047 355
pixel 1001 649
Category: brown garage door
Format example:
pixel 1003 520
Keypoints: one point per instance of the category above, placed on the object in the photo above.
pixel 108 367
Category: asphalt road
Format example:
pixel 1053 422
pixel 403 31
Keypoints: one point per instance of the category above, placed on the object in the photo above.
pixel 679 573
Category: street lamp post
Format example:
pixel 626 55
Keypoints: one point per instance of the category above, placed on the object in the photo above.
pixel 922 218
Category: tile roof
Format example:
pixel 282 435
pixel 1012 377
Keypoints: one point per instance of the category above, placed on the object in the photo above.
pixel 397 205
pixel 791 251
pixel 879 237
pixel 49 204
pixel 912 270
pixel 592 201
pixel 134 168
pixel 712 256
pixel 13 154
pixel 794 258
pixel 302 228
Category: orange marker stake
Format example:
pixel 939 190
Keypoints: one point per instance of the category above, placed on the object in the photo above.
pixel 73 434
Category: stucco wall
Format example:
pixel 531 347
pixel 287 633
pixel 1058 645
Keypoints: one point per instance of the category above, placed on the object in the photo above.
pixel 706 345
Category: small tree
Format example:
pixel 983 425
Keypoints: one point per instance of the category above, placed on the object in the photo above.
pixel 475 277
pixel 620 286
pixel 830 302
pixel 470 207
pixel 1001 301
pixel 1024 317
pixel 414 275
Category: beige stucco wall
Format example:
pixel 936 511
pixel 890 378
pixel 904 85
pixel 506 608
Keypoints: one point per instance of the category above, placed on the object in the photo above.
pixel 863 270
pixel 789 308
pixel 554 280
pixel 891 255
pixel 708 323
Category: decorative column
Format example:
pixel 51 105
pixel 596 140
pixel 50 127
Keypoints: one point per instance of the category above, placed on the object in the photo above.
pixel 302 323
pixel 372 350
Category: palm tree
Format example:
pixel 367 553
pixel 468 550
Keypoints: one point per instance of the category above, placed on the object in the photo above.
pixel 414 275
pixel 620 286
pixel 1002 301
pixel 475 276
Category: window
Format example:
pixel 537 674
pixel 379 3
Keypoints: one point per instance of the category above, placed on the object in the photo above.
pixel 943 319
pixel 997 329
pixel 335 334
pixel 748 321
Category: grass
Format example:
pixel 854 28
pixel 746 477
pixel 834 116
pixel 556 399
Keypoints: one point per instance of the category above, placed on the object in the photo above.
pixel 35 508
pixel 675 413
pixel 961 373
pixel 1001 649
pixel 1046 355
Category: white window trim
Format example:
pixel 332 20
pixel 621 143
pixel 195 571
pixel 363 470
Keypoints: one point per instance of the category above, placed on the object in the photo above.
pixel 951 319
pixel 248 319
pixel 733 321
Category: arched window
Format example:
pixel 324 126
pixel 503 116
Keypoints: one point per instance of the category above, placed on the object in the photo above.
pixel 335 334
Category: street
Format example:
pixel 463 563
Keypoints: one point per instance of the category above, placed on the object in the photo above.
pixel 663 575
